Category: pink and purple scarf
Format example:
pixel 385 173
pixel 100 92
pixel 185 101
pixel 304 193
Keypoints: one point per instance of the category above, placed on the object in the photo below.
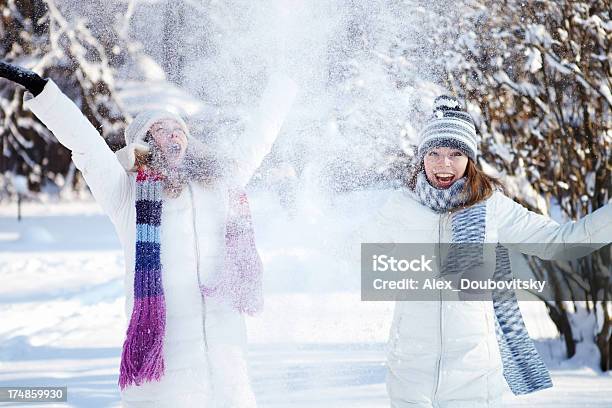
pixel 239 284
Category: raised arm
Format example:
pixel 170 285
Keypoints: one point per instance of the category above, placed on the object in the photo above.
pixel 535 234
pixel 103 173
pixel 248 151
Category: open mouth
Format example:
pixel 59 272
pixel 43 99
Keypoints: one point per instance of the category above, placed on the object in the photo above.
pixel 174 148
pixel 444 179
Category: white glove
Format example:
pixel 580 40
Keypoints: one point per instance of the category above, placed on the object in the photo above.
pixel 127 155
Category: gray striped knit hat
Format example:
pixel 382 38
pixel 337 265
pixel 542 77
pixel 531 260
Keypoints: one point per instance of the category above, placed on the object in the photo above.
pixel 449 126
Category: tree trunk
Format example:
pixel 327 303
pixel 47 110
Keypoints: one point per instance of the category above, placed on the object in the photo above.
pixel 559 316
pixel 603 339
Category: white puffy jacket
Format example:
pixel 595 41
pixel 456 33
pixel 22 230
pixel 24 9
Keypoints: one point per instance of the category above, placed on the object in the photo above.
pixel 445 353
pixel 204 341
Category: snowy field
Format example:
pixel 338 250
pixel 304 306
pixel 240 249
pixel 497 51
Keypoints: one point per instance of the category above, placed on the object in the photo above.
pixel 315 345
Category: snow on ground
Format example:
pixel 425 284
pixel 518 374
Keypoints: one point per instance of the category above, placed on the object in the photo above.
pixel 315 345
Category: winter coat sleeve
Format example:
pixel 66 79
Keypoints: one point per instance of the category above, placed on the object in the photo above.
pixel 535 234
pixel 248 151
pixel 108 181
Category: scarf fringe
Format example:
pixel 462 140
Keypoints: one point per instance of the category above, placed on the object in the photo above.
pixel 142 358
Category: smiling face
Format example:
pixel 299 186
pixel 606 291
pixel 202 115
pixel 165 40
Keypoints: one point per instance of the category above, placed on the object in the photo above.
pixel 170 138
pixel 444 166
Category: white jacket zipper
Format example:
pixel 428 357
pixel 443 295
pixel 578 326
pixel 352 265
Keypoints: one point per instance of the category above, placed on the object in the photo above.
pixel 441 314
pixel 197 252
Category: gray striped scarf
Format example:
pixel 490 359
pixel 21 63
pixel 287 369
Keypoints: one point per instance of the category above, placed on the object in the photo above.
pixel 439 200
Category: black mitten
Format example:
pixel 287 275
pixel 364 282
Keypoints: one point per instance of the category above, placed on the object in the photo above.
pixel 29 79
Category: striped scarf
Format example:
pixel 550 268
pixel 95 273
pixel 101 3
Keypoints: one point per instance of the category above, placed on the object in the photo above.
pixel 240 281
pixel 523 368
pixel 439 200
pixel 239 284
pixel 142 357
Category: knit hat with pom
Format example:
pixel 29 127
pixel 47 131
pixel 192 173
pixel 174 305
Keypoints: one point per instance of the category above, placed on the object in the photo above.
pixel 449 126
pixel 136 133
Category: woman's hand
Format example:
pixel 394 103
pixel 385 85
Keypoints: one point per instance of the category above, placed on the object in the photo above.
pixel 135 155
pixel 28 79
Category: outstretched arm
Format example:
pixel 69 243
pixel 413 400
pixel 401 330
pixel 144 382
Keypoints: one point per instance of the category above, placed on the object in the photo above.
pixel 102 171
pixel 251 147
pixel 538 235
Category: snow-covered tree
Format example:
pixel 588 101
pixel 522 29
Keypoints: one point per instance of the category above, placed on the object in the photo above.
pixel 537 79
pixel 35 34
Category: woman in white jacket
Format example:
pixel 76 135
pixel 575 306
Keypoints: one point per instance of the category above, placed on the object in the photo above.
pixel 192 269
pixel 457 353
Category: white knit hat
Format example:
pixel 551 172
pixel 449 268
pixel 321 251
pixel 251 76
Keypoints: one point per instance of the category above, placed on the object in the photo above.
pixel 449 126
pixel 136 133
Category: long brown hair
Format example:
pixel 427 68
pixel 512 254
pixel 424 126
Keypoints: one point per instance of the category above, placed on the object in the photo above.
pixel 478 187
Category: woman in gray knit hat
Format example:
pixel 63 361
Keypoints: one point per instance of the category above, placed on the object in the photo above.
pixel 181 214
pixel 444 352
